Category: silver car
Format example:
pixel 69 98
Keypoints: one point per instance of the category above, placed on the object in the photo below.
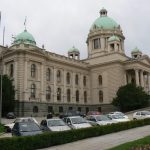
pixel 99 120
pixel 76 122
pixel 141 115
pixel 54 124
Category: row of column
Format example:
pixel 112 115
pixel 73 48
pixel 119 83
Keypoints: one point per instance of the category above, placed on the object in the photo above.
pixel 139 77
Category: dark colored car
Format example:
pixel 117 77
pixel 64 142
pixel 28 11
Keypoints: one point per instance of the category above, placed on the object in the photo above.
pixel 10 115
pixel 26 129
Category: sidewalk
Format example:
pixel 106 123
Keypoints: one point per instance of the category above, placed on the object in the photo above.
pixel 106 141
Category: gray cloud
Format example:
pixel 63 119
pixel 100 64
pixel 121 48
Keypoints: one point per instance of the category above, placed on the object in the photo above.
pixel 61 24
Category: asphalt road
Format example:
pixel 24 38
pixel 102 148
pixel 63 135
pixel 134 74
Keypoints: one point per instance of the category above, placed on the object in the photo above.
pixel 106 141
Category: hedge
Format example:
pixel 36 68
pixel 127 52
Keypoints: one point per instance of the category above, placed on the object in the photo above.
pixel 55 138
pixel 2 129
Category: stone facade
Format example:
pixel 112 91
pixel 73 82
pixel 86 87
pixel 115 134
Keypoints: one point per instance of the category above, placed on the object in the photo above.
pixel 46 82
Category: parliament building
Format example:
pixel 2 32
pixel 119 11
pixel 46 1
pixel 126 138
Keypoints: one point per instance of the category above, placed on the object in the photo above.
pixel 48 82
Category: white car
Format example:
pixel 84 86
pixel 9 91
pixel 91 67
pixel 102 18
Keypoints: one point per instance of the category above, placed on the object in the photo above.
pixel 54 124
pixel 77 122
pixel 9 126
pixel 99 120
pixel 141 115
pixel 118 118
pixel 119 113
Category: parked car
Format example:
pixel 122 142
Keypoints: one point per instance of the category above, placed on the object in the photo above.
pixel 76 122
pixel 118 118
pixel 99 120
pixel 72 113
pixel 141 115
pixel 9 126
pixel 54 124
pixel 93 113
pixel 119 113
pixel 11 115
pixel 26 129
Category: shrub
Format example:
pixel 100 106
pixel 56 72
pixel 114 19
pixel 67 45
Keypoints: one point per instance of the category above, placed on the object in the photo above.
pixel 55 138
pixel 2 129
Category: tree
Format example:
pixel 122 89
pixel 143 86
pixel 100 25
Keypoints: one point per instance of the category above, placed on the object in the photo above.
pixel 130 97
pixel 8 95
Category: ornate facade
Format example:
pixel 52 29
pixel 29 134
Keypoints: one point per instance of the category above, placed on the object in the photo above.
pixel 48 82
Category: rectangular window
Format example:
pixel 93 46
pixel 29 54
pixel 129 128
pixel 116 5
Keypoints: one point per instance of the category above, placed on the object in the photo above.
pixel 96 43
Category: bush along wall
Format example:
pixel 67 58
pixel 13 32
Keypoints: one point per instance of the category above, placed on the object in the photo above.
pixel 55 138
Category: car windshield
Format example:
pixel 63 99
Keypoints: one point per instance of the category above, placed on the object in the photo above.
pixel 102 118
pixel 56 123
pixel 117 117
pixel 146 112
pixel 78 120
pixel 24 120
pixel 28 127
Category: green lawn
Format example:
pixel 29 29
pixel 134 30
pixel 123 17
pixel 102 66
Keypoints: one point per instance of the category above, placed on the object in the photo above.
pixel 145 142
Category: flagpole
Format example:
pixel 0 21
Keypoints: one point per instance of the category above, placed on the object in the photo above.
pixel 1 81
pixel 3 35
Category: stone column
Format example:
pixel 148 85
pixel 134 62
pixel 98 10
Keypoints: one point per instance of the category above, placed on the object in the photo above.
pixel 148 82
pixel 25 80
pixel 15 78
pixel 55 89
pixel 125 78
pixel 64 87
pixel 141 78
pixel 42 97
pixel 137 76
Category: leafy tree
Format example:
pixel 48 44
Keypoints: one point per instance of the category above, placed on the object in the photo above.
pixel 8 95
pixel 130 97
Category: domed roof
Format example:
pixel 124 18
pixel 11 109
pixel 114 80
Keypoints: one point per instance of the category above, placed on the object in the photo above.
pixel 104 21
pixel 135 50
pixel 114 38
pixel 73 49
pixel 25 37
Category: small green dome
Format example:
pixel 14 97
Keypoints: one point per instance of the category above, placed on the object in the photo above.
pixel 135 50
pixel 104 21
pixel 113 38
pixel 73 49
pixel 25 37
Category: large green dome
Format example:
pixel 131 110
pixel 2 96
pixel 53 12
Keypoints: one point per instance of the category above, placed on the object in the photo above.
pixel 104 22
pixel 25 37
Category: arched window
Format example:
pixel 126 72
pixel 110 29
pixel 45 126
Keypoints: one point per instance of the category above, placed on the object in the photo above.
pixel 48 93
pixel 33 70
pixel 33 91
pixel 84 80
pixel 76 79
pixel 48 74
pixel 11 70
pixel 68 95
pixel 100 96
pixel 58 94
pixel 35 109
pixel 85 96
pixel 77 96
pixel 58 76
pixel 68 78
pixel 100 80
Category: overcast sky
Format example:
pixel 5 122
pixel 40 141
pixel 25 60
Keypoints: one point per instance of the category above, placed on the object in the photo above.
pixel 60 24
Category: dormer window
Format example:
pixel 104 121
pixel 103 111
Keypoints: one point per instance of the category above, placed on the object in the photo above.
pixel 112 47
pixel 96 43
